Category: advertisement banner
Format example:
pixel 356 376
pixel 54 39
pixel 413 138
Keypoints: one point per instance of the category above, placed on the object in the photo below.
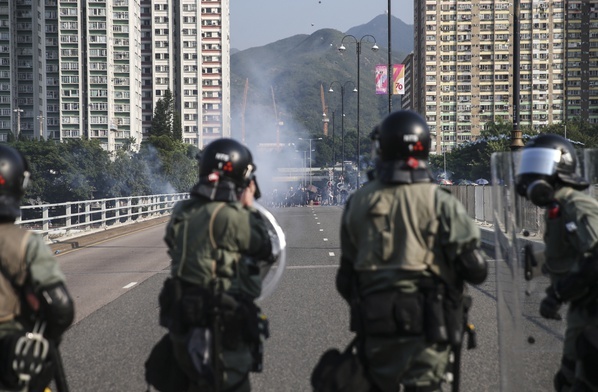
pixel 398 79
pixel 381 79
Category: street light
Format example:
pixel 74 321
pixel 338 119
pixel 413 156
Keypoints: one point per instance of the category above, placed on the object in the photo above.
pixel 18 111
pixel 374 48
pixel 330 90
pixel 310 140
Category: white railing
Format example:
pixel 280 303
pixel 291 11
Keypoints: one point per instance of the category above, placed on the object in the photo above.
pixel 73 218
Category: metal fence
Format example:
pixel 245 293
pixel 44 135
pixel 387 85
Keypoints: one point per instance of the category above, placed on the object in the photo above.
pixel 79 217
pixel 67 219
pixel 477 200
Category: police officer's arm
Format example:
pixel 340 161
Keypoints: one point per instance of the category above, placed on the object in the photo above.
pixel 345 272
pixel 461 238
pixel 260 245
pixel 577 283
pixel 55 303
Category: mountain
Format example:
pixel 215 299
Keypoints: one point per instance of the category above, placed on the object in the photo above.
pixel 285 80
pixel 402 33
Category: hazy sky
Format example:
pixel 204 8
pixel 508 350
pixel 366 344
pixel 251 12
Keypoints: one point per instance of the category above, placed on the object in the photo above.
pixel 260 22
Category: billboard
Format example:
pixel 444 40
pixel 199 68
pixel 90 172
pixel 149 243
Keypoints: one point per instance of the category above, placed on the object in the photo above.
pixel 381 79
pixel 398 79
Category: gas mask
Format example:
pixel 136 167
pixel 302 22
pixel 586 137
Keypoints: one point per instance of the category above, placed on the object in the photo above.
pixel 536 175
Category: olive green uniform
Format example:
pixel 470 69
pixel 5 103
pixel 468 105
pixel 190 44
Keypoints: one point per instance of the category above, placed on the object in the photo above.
pixel 208 240
pixel 392 238
pixel 572 232
pixel 23 257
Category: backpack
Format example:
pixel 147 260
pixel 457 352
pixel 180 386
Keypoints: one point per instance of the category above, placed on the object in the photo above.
pixel 340 371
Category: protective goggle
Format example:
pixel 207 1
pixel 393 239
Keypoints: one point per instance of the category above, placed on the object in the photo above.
pixel 541 161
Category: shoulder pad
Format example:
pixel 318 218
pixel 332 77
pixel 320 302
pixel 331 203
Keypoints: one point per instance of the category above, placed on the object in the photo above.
pixel 445 189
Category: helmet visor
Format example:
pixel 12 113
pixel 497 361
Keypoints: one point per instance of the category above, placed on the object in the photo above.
pixel 539 161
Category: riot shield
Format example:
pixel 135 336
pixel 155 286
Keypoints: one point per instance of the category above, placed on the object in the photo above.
pixel 530 347
pixel 527 342
pixel 271 273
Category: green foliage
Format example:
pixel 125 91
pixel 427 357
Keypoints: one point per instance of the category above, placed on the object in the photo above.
pixel 472 160
pixel 81 169
pixel 164 121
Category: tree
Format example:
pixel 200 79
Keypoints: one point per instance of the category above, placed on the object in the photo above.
pixel 160 120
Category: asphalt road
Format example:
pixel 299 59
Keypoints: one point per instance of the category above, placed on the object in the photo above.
pixel 116 283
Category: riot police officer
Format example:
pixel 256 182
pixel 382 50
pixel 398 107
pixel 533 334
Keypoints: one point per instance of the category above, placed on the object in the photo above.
pixel 407 247
pixel 547 176
pixel 35 305
pixel 215 240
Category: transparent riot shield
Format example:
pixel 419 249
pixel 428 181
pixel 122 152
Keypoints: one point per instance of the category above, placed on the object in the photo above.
pixel 271 273
pixel 529 345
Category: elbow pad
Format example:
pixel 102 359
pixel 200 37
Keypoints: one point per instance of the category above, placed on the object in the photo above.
pixel 472 266
pixel 577 284
pixel 57 310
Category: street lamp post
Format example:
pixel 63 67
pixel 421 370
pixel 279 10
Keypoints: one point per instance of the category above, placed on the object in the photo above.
pixel 310 140
pixel 375 48
pixel 18 111
pixel 330 90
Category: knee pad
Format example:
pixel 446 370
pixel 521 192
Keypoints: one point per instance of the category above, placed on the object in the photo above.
pixel 587 350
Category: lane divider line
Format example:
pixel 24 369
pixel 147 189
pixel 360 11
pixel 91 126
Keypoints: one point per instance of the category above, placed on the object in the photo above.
pixel 331 254
pixel 130 285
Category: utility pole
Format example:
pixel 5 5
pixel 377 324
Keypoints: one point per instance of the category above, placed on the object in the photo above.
pixel 18 111
pixel 516 142
pixel 41 126
pixel 390 76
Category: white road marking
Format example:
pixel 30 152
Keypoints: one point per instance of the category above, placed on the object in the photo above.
pixel 130 285
pixel 318 223
pixel 321 229
pixel 325 239
pixel 330 253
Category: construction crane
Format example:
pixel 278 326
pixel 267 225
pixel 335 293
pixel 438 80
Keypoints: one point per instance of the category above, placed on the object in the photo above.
pixel 325 118
pixel 243 110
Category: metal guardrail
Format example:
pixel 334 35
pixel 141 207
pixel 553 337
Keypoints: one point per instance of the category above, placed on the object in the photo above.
pixel 477 200
pixel 54 221
pixel 73 218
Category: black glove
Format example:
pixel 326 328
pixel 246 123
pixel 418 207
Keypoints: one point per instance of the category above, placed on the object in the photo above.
pixel 549 307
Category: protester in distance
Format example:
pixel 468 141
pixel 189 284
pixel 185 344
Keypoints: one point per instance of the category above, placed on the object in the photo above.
pixel 407 248
pixel 547 176
pixel 215 239
pixel 35 305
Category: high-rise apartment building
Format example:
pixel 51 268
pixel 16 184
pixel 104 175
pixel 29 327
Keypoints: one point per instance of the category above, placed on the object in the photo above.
pixel 463 64
pixel 95 68
pixel 186 49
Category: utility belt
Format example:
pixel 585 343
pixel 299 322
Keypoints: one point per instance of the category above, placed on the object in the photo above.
pixel 185 306
pixel 435 311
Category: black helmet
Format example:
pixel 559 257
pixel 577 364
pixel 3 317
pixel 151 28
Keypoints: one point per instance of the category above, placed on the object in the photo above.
pixel 226 159
pixel 14 177
pixel 546 160
pixel 402 135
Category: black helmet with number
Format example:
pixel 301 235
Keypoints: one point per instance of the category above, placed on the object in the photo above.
pixel 402 142
pixel 546 162
pixel 225 169
pixel 14 177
